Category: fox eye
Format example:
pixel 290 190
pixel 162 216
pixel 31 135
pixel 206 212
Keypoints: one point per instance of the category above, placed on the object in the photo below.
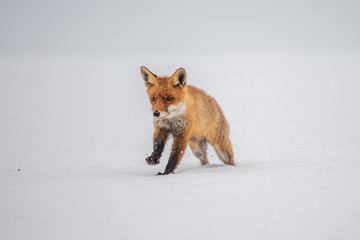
pixel 169 99
pixel 153 99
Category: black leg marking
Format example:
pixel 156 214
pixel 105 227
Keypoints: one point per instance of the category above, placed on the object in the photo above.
pixel 173 162
pixel 159 144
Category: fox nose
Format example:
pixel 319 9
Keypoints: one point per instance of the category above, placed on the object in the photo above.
pixel 156 113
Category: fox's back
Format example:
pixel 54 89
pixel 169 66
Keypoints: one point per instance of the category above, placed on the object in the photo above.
pixel 207 114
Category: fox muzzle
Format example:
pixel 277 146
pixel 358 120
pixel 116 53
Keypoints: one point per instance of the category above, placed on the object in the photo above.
pixel 156 113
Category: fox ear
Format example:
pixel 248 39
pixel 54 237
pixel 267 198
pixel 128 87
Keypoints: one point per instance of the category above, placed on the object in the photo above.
pixel 178 79
pixel 149 77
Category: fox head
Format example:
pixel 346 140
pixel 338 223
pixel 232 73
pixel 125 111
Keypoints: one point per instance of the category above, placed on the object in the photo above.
pixel 166 94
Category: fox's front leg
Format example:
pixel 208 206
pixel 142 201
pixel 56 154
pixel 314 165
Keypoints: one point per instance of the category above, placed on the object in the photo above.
pixel 177 152
pixel 159 140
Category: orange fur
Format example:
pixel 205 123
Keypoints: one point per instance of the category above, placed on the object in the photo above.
pixel 189 115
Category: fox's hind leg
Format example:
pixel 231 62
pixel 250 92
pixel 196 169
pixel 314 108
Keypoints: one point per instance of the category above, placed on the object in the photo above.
pixel 199 147
pixel 224 150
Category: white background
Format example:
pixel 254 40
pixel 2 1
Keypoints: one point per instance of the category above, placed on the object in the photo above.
pixel 76 124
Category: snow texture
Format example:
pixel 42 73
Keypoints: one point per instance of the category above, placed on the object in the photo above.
pixel 76 123
pixel 75 132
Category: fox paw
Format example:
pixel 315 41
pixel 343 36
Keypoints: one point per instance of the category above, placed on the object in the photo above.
pixel 164 173
pixel 152 160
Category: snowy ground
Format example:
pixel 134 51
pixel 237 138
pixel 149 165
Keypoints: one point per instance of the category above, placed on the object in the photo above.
pixel 75 131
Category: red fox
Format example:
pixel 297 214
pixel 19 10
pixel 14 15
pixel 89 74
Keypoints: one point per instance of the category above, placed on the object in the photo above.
pixel 189 115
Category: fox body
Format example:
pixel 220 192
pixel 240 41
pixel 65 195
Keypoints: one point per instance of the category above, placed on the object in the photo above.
pixel 189 115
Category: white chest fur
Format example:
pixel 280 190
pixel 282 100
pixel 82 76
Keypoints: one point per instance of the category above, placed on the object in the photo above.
pixel 174 121
pixel 175 125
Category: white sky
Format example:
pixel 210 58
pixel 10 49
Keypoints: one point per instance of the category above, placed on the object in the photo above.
pixel 133 27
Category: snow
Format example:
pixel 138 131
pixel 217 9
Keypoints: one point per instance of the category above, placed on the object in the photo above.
pixel 75 132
